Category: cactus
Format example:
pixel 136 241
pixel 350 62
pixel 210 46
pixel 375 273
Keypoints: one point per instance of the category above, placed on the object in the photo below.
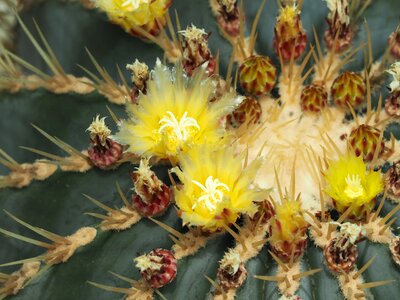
pixel 226 171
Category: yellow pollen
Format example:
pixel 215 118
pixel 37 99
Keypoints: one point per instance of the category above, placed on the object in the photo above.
pixel 178 131
pixel 213 193
pixel 354 188
pixel 289 15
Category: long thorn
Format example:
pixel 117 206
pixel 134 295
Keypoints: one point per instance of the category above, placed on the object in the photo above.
pixel 279 262
pixel 111 288
pixel 306 273
pixel 374 284
pixel 99 204
pixel 270 278
pixel 171 230
pixel 47 234
pixel 364 267
pixel 25 239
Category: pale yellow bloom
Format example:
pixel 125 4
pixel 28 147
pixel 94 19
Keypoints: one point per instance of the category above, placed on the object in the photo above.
pixel 217 188
pixel 131 13
pixel 288 224
pixel 175 115
pixel 349 183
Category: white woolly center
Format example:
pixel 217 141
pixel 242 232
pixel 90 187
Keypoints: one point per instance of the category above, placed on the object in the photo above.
pixel 180 129
pixel 213 192
pixel 291 135
pixel 354 187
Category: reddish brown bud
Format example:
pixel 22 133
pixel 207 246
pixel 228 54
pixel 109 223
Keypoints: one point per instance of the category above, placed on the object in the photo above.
pixel 392 104
pixel 265 211
pixel 196 51
pixel 348 88
pixel 103 152
pixel 257 75
pixel 340 255
pixel 249 112
pixel 290 37
pixel 314 98
pixel 340 34
pixel 395 249
pixel 364 140
pixel 228 17
pixel 158 267
pixel 392 180
pixel 152 196
pixel 228 281
pixel 140 76
pixel 104 156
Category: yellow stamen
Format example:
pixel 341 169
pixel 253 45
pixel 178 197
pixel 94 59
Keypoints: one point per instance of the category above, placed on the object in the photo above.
pixel 175 129
pixel 132 5
pixel 354 187
pixel 288 14
pixel 212 193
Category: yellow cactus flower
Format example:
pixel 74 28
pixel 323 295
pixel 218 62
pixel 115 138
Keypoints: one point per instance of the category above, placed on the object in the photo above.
pixel 349 183
pixel 131 13
pixel 175 114
pixel 217 188
pixel 288 230
pixel 291 219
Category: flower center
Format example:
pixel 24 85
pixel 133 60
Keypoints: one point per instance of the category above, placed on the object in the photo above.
pixel 132 5
pixel 213 193
pixel 178 131
pixel 354 188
